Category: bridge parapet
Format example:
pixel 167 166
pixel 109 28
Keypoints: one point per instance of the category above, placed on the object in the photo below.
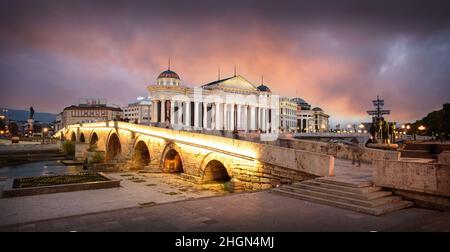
pixel 243 159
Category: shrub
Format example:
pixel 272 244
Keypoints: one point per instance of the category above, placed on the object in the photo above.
pixel 98 157
pixel 69 148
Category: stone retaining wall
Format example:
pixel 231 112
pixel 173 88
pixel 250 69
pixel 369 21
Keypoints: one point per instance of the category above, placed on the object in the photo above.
pixel 338 150
pixel 423 182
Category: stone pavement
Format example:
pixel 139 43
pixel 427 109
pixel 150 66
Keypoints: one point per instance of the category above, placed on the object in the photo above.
pixel 135 189
pixel 344 168
pixel 258 211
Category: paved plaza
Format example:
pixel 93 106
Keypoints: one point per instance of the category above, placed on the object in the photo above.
pixel 136 189
pixel 258 211
pixel 164 202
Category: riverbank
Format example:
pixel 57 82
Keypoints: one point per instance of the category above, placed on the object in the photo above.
pixel 14 154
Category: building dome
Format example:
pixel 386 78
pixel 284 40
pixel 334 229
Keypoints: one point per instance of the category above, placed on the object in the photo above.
pixel 317 109
pixel 263 88
pixel 168 78
pixel 168 74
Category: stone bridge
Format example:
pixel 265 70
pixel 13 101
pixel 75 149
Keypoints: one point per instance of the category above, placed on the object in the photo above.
pixel 201 157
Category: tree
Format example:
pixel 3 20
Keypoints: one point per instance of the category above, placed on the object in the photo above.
pixel 2 124
pixel 13 129
pixel 436 122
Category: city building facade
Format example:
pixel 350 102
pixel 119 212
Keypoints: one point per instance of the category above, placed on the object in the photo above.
pixel 138 112
pixel 87 111
pixel 311 120
pixel 230 104
pixel 288 115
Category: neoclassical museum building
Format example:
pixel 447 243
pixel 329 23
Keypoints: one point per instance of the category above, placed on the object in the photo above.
pixel 227 104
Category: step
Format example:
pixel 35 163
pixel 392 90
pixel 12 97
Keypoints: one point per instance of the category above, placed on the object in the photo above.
pixel 190 178
pixel 366 203
pixel 380 210
pixel 342 188
pixel 416 154
pixel 345 182
pixel 359 195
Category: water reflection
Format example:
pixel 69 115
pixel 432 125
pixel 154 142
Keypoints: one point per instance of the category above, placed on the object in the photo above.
pixel 40 168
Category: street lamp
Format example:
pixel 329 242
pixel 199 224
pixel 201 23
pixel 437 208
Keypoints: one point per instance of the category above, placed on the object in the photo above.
pixel 44 130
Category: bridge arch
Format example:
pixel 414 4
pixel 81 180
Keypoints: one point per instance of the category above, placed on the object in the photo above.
pixel 141 156
pixel 113 147
pixel 172 159
pixel 73 137
pixel 215 167
pixel 215 171
pixel 82 140
pixel 93 139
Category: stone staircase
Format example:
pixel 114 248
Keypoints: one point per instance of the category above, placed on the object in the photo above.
pixel 357 195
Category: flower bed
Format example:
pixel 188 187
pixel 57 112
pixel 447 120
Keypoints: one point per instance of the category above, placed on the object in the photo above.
pixel 57 180
pixel 16 187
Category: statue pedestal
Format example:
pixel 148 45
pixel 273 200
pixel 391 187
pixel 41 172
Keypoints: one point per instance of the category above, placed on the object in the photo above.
pixel 30 125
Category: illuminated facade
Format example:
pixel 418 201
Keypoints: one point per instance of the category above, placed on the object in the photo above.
pixel 310 120
pixel 288 115
pixel 226 105
pixel 139 111
pixel 87 113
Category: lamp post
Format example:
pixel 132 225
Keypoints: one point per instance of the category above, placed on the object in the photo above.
pixel 361 128
pixel 44 131
pixel 421 128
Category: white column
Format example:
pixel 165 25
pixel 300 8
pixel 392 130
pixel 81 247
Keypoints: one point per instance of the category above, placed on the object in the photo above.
pixel 232 117
pixel 180 112
pixel 187 118
pixel 258 115
pixel 163 111
pixel 154 111
pixel 245 118
pixel 263 119
pixel 218 122
pixel 252 118
pixel 205 115
pixel 239 119
pixel 225 116
pixel 172 112
pixel 196 111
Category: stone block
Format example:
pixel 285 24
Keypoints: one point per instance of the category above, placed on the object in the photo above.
pixel 444 157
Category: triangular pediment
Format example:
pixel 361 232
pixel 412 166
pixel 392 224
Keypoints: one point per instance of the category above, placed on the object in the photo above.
pixel 236 82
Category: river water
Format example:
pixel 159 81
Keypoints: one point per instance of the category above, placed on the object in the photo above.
pixel 41 168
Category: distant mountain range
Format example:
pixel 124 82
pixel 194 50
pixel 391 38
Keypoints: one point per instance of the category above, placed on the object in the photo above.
pixel 22 115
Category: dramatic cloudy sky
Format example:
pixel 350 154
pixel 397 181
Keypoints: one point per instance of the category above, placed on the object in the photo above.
pixel 335 54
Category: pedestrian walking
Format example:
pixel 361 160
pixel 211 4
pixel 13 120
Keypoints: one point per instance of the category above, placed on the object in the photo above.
pixel 356 151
